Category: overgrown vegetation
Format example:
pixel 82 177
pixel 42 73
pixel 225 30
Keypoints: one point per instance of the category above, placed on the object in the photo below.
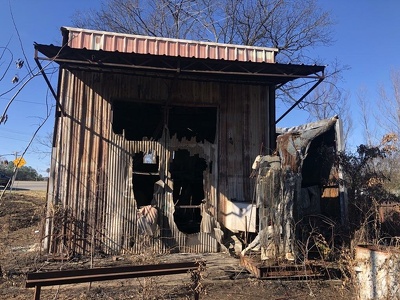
pixel 365 178
pixel 373 213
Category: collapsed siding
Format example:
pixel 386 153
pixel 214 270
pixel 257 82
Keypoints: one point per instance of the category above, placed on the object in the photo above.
pixel 298 184
pixel 92 206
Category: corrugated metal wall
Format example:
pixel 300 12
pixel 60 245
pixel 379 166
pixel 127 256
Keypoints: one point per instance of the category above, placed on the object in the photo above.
pixel 92 202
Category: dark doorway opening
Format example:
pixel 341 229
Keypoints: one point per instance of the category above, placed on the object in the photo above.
pixel 145 175
pixel 188 193
pixel 319 171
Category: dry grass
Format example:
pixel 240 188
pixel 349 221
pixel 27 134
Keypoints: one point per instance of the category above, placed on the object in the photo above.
pixel 21 217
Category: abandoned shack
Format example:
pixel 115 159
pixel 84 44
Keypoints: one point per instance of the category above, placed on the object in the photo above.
pixel 154 140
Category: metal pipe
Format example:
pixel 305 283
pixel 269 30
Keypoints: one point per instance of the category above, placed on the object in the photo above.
pixel 301 99
pixel 108 273
pixel 177 70
pixel 188 206
pixel 47 81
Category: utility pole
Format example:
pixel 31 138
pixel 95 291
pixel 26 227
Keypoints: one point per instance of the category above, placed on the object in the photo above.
pixel 14 173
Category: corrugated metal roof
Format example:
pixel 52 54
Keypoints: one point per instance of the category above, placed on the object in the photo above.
pixel 108 41
pixel 194 68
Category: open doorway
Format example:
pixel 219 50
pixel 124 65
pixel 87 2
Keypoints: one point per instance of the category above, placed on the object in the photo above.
pixel 188 192
pixel 145 175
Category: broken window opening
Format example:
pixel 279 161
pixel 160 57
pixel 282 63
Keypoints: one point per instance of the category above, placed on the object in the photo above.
pixel 145 121
pixel 150 157
pixel 193 122
pixel 138 121
pixel 145 175
pixel 188 192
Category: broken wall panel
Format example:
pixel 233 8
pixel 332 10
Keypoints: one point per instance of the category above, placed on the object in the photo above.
pixel 297 188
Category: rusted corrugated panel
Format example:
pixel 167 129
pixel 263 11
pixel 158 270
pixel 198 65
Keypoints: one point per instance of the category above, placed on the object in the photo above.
pixel 243 127
pixel 78 187
pixel 389 211
pixel 94 166
pixel 107 41
pixel 93 171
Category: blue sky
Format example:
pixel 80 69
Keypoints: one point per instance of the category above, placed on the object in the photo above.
pixel 367 39
pixel 37 21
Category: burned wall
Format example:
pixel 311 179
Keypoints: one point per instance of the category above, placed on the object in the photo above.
pixel 296 189
pixel 97 148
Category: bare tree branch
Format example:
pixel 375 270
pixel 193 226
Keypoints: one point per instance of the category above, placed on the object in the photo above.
pixel 4 49
pixel 294 27
pixel 19 38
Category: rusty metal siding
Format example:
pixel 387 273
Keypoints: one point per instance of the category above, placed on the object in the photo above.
pixel 107 41
pixel 72 190
pixel 93 188
pixel 243 126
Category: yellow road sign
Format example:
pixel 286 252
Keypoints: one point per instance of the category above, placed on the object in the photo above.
pixel 19 162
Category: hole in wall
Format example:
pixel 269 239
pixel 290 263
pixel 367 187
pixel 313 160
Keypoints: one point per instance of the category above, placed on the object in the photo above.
pixel 139 121
pixel 188 191
pixel 145 175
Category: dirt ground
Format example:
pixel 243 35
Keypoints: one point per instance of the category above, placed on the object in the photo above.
pixel 21 217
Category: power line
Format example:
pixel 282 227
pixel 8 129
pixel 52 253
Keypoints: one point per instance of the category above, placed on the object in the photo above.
pixel 6 137
pixel 24 101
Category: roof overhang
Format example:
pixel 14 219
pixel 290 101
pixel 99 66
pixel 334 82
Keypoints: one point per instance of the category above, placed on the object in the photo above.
pixel 203 69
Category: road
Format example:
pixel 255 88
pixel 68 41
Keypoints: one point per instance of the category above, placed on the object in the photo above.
pixel 30 185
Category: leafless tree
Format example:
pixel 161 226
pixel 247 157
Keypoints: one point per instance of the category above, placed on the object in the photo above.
pixel 44 145
pixel 389 105
pixel 291 26
pixel 380 120
pixel 294 27
pixel 329 100
pixel 380 114
pixel 366 117
pixel 387 118
pixel 174 19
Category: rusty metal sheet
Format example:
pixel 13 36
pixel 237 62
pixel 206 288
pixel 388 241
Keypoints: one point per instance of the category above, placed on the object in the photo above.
pixel 109 41
pixel 92 165
pixel 241 217
pixel 283 271
pixel 107 273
